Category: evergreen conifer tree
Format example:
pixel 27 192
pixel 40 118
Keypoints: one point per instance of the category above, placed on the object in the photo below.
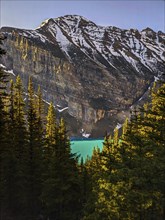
pixel 18 146
pixel 51 127
pixel 61 176
pixel 5 147
pixel 35 151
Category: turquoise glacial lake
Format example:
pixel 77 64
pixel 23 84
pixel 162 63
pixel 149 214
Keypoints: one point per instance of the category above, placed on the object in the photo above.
pixel 85 147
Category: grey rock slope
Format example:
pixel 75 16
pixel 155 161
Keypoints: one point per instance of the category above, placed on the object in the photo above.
pixel 93 74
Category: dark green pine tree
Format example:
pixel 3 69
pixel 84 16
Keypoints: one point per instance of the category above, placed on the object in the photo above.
pixel 40 116
pixel 48 174
pixel 93 176
pixel 142 155
pixel 154 131
pixel 12 189
pixel 4 142
pixel 84 185
pixel 135 195
pixel 108 184
pixel 69 178
pixel 3 98
pixel 35 152
pixel 17 114
pixel 61 186
pixel 50 139
pixel 51 127
pixel 18 140
pixel 12 109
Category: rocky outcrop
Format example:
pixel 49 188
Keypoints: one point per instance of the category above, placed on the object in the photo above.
pixel 93 74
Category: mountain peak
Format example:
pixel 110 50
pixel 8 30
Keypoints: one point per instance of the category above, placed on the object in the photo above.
pixel 72 18
pixel 148 30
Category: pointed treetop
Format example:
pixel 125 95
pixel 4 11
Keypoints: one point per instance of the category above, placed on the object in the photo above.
pixel 51 124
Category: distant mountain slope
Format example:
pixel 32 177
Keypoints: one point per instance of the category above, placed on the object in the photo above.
pixel 96 73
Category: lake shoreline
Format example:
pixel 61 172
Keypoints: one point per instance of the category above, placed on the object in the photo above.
pixel 85 139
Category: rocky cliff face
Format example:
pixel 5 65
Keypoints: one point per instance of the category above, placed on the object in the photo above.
pixel 93 74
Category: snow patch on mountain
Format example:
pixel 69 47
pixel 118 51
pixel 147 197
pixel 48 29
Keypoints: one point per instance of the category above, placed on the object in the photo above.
pixel 2 66
pixel 7 71
pixel 34 34
pixel 63 109
pixel 11 72
pixel 108 42
pixel 61 38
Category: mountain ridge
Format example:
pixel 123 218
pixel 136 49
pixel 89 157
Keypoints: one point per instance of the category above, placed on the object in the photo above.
pixel 95 71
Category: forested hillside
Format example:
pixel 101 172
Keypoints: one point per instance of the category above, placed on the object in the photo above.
pixel 41 179
pixel 127 179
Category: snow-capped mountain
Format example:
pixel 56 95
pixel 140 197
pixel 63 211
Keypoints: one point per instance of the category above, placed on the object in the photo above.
pixel 103 44
pixel 106 44
pixel 94 71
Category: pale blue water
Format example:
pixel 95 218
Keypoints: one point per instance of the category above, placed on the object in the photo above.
pixel 85 147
